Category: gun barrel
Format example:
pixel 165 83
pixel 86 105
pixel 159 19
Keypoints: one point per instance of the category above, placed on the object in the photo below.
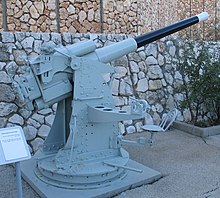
pixel 157 34
pixel 119 49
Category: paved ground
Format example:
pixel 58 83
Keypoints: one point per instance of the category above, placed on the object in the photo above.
pixel 190 167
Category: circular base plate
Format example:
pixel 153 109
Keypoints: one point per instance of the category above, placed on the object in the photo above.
pixel 81 174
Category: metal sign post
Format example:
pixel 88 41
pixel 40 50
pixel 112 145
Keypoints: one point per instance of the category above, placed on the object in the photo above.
pixel 13 149
pixel 18 179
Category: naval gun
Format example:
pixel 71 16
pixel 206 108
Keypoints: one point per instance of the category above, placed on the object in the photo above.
pixel 84 147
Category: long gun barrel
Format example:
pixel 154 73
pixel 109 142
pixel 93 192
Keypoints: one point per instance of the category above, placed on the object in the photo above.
pixel 119 49
pixel 165 31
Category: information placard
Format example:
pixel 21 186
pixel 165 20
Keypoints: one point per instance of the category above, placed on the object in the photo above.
pixel 13 145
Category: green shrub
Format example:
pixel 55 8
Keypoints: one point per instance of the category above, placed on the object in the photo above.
pixel 200 67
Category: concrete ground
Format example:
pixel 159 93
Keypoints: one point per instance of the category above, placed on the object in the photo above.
pixel 190 167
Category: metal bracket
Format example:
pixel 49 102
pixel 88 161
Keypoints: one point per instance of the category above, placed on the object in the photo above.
pixel 141 141
pixel 124 167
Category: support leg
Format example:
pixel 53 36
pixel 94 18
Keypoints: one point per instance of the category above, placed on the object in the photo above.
pixel 151 138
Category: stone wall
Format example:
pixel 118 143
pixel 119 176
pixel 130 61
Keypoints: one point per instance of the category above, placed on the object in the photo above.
pixel 150 74
pixel 34 16
pixel 109 16
pixel 53 16
pixel 79 16
pixel 208 30
pixel 120 16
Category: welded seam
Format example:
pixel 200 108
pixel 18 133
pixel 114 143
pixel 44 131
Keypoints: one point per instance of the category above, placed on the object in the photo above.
pixel 210 192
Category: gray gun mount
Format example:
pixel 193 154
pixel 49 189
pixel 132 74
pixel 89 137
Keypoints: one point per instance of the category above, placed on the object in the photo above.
pixel 84 147
pixel 84 139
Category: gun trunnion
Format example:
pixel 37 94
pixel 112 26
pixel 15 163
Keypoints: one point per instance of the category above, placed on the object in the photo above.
pixel 84 147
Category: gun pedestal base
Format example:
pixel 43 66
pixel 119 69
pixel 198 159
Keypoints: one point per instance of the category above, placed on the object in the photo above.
pixel 85 171
pixel 131 180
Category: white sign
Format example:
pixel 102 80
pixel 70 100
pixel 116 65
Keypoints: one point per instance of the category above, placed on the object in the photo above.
pixel 13 145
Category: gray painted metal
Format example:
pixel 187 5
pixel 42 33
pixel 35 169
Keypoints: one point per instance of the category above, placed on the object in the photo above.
pixel 133 179
pixel 165 124
pixel 57 4
pixel 4 15
pixel 101 16
pixel 84 147
pixel 18 179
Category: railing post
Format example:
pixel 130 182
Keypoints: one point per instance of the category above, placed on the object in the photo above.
pixel 101 17
pixel 58 15
pixel 4 15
